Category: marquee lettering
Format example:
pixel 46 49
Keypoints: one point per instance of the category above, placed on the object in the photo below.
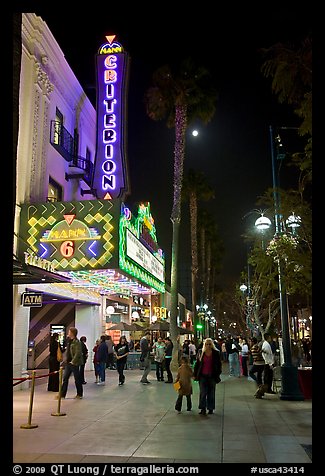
pixel 38 262
pixel 109 175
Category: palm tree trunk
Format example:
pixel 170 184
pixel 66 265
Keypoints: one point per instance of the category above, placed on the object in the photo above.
pixel 208 281
pixel 194 254
pixel 179 155
pixel 202 265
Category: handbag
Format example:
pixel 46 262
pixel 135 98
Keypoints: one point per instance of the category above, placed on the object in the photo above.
pixel 177 386
pixel 59 355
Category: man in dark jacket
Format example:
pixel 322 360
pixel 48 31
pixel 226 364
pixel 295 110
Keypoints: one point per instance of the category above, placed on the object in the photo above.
pixel 145 348
pixel 83 340
pixel 102 355
pixel 168 359
pixel 73 361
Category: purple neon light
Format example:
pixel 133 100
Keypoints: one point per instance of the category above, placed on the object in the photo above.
pixel 45 252
pixel 109 162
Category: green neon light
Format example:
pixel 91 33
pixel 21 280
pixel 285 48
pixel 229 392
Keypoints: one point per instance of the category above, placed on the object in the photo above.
pixel 44 229
pixel 125 263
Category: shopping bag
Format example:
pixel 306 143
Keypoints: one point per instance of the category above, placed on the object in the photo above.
pixel 177 386
pixel 59 355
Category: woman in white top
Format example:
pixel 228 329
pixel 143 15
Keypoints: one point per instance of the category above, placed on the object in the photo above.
pixel 244 358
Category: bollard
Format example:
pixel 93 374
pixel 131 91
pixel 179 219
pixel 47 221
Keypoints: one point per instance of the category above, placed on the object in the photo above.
pixel 31 399
pixel 58 413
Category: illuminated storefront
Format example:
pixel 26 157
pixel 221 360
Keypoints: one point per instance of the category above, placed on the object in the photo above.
pixel 97 244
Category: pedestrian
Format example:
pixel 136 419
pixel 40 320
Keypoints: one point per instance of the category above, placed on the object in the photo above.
pixel 168 358
pixel 224 355
pixel 54 363
pixel 184 377
pixel 233 359
pixel 258 366
pixel 207 371
pixel 239 341
pixel 159 355
pixel 192 350
pixel 110 353
pixel 73 361
pixel 217 345
pixel 102 353
pixel 179 349
pixel 244 357
pixel 186 348
pixel 121 352
pixel 268 357
pixel 84 349
pixel 131 345
pixel 145 348
pixel 95 361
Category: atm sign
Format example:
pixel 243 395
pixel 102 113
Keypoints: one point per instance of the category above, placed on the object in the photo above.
pixel 32 299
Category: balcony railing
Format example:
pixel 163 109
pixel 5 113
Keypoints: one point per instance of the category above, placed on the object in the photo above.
pixel 62 140
pixel 85 165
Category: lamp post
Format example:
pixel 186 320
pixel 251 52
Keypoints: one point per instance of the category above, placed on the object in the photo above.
pixel 290 386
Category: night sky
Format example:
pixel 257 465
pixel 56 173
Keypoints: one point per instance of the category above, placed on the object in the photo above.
pixel 233 150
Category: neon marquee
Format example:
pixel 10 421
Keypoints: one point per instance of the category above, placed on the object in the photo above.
pixel 110 171
pixel 70 236
pixel 139 252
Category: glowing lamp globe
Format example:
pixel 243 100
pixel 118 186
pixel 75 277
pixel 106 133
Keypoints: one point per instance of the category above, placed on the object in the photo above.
pixel 293 221
pixel 263 223
pixel 110 310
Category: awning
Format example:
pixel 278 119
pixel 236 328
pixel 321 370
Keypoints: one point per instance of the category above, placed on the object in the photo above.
pixel 28 274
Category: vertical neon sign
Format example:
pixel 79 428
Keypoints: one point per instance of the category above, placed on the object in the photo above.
pixel 110 179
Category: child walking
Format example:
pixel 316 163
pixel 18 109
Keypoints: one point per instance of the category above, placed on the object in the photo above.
pixel 184 377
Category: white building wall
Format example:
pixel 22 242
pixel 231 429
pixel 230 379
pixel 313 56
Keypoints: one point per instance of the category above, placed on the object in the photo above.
pixel 46 83
pixel 88 323
pixel 20 337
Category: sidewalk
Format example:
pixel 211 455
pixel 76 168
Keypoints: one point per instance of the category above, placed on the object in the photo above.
pixel 137 423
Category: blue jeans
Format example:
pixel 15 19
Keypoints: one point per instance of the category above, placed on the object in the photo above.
pixel 102 368
pixel 147 368
pixel 257 369
pixel 69 369
pixel 234 364
pixel 207 393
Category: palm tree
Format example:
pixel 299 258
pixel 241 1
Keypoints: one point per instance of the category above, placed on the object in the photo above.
pixel 211 250
pixel 179 97
pixel 195 189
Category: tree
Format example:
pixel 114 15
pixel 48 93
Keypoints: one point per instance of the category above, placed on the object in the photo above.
pixel 178 97
pixel 290 67
pixel 195 189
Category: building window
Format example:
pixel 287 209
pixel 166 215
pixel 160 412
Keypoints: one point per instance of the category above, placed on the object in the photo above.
pixel 54 193
pixel 58 126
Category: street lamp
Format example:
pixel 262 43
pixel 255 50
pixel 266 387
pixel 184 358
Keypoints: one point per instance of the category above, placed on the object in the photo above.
pixel 290 386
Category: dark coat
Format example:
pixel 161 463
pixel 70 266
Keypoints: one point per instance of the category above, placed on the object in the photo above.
pixel 184 377
pixel 216 367
pixel 102 352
